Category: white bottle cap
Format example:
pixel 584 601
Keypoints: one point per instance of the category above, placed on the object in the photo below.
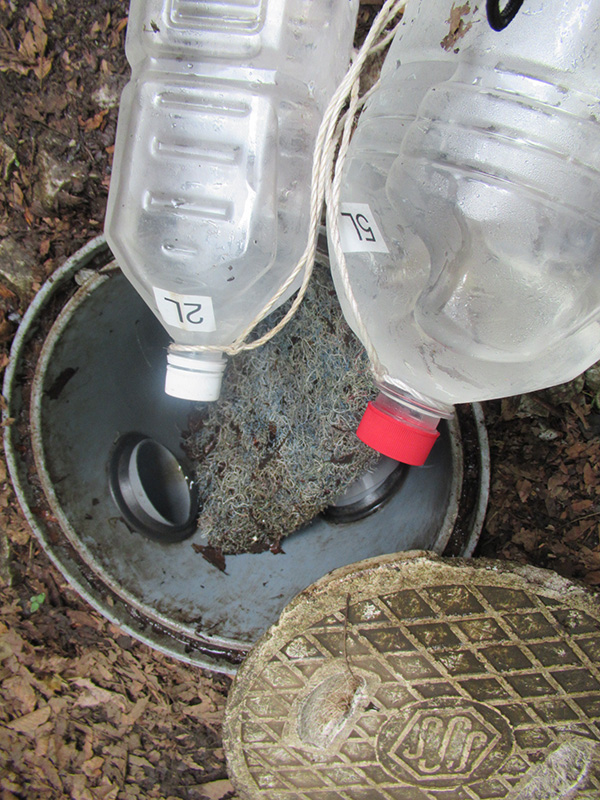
pixel 193 378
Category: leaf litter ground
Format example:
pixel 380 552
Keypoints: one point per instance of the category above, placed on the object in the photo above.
pixel 87 712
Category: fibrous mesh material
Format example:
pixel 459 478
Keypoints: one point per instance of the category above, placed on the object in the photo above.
pixel 280 445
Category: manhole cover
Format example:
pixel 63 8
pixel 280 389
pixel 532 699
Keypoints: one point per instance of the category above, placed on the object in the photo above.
pixel 417 678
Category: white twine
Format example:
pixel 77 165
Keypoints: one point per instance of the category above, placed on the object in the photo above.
pixel 325 187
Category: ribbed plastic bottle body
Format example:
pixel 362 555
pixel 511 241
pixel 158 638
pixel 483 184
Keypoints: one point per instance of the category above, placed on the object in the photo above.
pixel 209 200
pixel 471 202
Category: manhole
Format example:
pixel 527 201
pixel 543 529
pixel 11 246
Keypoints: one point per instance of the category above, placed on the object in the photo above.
pixel 418 678
pixel 93 425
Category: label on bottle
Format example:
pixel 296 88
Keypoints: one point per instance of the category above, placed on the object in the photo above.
pixel 190 312
pixel 359 233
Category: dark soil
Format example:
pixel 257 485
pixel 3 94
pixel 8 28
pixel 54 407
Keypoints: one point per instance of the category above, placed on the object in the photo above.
pixel 87 712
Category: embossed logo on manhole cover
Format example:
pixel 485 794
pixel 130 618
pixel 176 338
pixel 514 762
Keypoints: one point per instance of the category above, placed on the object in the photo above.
pixel 444 743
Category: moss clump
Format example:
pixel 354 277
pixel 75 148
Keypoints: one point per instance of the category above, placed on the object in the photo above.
pixel 280 445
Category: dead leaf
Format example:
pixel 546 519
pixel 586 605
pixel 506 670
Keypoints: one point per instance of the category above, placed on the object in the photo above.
pixel 42 68
pixel 49 771
pixel 524 488
pixel 589 476
pixel 200 713
pixel 526 538
pixel 76 616
pixel 213 555
pixel 216 790
pixel 93 695
pixel 20 688
pixel 139 761
pixel 92 766
pixel 58 704
pixel 79 790
pixel 27 49
pixel 130 718
pixel 45 10
pixel 29 723
pixel 580 413
pixel 105 792
pixel 40 37
pixel 593 578
pixel 94 122
pixel 576 450
pixel 35 15
pixel 591 558
pixel 579 506
pixel 17 194
pixel 555 483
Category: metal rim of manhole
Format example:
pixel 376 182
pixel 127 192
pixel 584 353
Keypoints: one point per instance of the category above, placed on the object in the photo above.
pixel 84 376
pixel 413 677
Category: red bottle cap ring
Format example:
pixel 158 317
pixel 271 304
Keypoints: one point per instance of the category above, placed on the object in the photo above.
pixel 394 438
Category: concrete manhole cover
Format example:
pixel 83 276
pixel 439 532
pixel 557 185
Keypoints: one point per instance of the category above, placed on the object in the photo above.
pixel 417 678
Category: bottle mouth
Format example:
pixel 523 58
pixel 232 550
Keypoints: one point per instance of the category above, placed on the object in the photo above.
pixel 190 377
pixel 426 410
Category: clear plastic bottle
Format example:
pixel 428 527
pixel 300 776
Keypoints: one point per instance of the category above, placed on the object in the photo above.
pixel 209 201
pixel 470 212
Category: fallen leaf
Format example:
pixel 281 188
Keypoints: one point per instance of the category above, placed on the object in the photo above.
pixel 40 38
pixel 555 483
pixel 79 790
pixel 93 695
pixel 29 723
pixel 47 768
pixel 139 761
pixel 200 713
pixel 94 122
pixel 579 506
pixel 107 792
pixel 19 687
pixel 45 10
pixel 589 476
pixel 28 49
pixel 17 194
pixel 526 538
pixel 35 15
pixel 11 644
pixel 130 718
pixel 524 488
pixel 42 68
pixel 216 790
pixel 76 616
pixel 92 766
pixel 213 555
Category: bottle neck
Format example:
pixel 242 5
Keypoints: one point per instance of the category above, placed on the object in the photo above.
pixel 194 376
pixel 405 407
pixel 400 425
